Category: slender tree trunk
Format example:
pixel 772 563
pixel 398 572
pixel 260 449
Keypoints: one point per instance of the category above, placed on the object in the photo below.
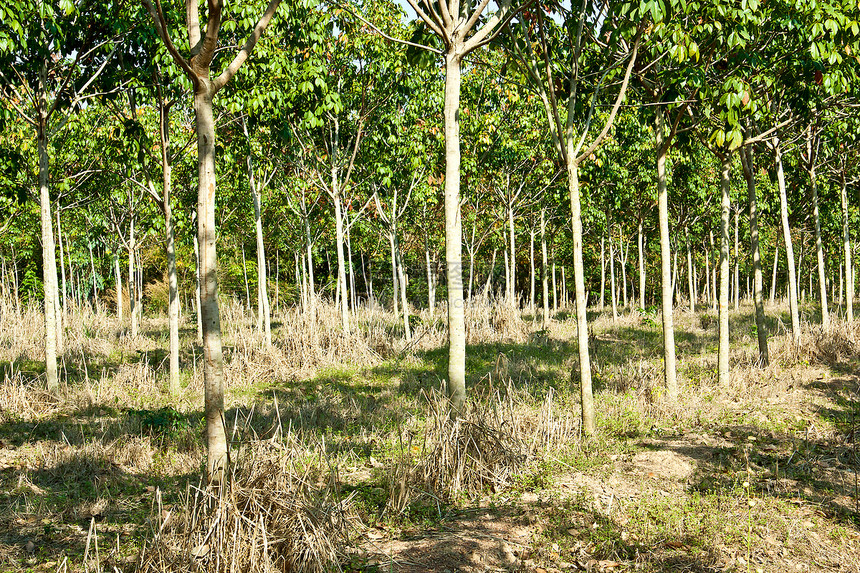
pixel 245 276
pixel 789 250
pixel 312 297
pixel 725 214
pixel 690 273
pixel 431 279
pixel 514 303
pixel 613 293
pixel 737 289
pixel 197 292
pixel 341 259
pixel 846 249
pixel 819 249
pixel 773 275
pixel 532 271
pixel 93 278
pixel 715 295
pixel 350 269
pixel 641 245
pixel 118 278
pixel 708 275
pixel 395 292
pixel 747 157
pixel 264 321
pixel 213 359
pixel 586 395
pixel 625 251
pixel 132 279
pixel 554 288
pixel 49 266
pixel 170 249
pixel 544 268
pixel 454 235
pixel 602 270
pixel 62 262
pixel 404 301
pixel 665 259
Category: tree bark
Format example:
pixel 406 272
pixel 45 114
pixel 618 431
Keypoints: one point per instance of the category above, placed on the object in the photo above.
pixel 690 273
pixel 544 268
pixel 586 394
pixel 602 271
pixel 264 321
pixel 62 263
pixel 846 250
pixel 641 245
pixel 737 282
pixel 773 275
pixel 118 279
pixel 454 234
pixel 170 249
pixel 531 270
pixel 341 259
pixel 49 261
pixel 725 214
pixel 747 157
pixel 213 359
pixel 819 248
pixel 789 250
pixel 132 279
pixel 670 375
pixel 613 296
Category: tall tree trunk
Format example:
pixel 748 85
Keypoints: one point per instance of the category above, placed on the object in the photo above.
pixel 118 278
pixel 350 269
pixel 819 249
pixel 665 260
pixel 454 235
pixel 748 157
pixel 737 283
pixel 715 295
pixel 531 270
pixel 613 293
pixel 341 259
pixel 554 287
pixel 514 303
pixel 690 273
pixel 641 246
pixel 789 250
pixel 586 395
pixel 489 282
pixel 625 251
pixel 404 301
pixel 245 276
pixel 264 321
pixel 197 292
pixel 93 278
pixel 132 279
pixel 602 270
pixel 544 268
pixel 846 250
pixel 170 249
pixel 62 263
pixel 213 359
pixel 431 283
pixel 773 275
pixel 312 297
pixel 725 214
pixel 395 282
pixel 49 266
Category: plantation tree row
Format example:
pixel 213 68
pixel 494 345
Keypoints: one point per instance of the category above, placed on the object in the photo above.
pixel 633 155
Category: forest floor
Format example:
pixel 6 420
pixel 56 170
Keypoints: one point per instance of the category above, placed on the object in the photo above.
pixel 760 474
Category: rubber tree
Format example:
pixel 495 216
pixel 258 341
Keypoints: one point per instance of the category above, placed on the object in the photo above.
pixel 462 27
pixel 51 55
pixel 550 55
pixel 201 48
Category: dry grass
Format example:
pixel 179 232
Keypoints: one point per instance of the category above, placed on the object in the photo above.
pixel 274 513
pixel 355 412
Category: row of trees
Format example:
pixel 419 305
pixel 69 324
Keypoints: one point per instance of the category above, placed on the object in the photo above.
pixel 356 138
